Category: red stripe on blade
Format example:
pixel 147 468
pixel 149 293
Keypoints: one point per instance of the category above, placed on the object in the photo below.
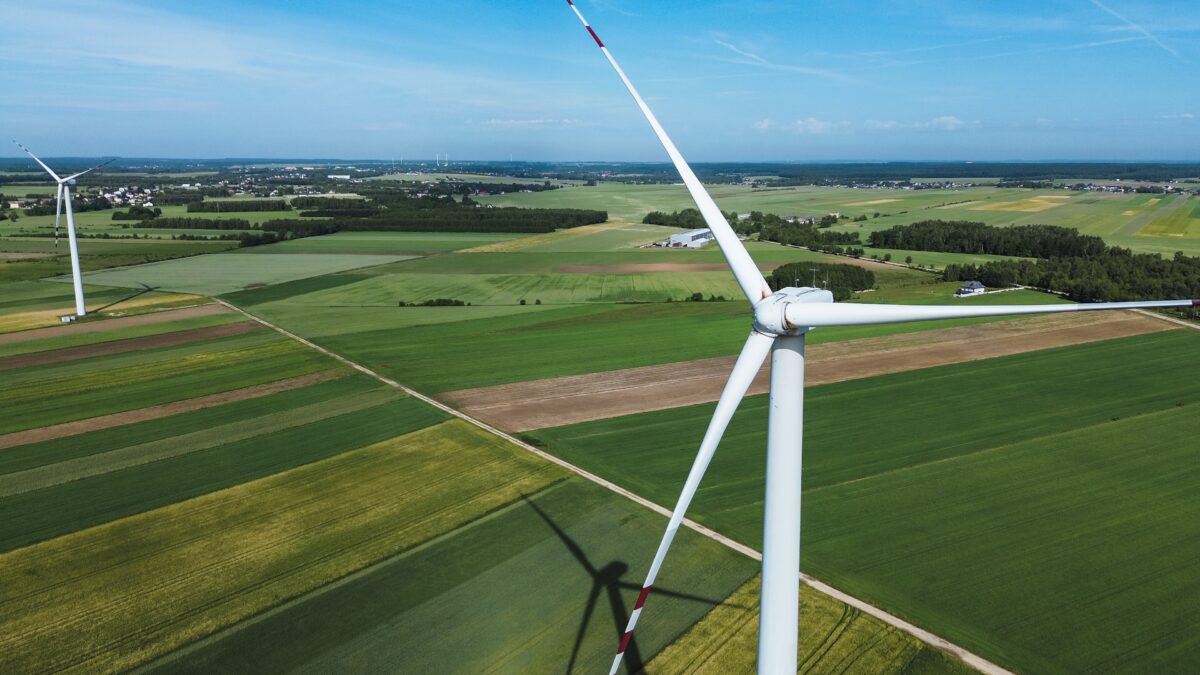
pixel 570 3
pixel 624 642
pixel 595 37
pixel 1195 303
pixel 642 598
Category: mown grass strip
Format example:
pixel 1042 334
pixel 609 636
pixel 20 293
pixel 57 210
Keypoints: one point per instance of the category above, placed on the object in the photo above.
pixel 25 457
pixel 68 341
pixel 58 510
pixel 209 562
pixel 107 350
pixel 116 460
pixel 69 395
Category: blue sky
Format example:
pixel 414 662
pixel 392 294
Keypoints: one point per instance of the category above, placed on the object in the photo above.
pixel 486 79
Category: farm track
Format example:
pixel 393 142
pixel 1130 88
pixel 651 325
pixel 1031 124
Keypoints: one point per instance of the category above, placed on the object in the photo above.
pixel 581 398
pixel 156 411
pixel 128 345
pixel 975 661
pixel 109 324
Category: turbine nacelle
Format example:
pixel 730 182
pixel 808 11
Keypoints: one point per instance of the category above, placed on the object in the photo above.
pixel 770 314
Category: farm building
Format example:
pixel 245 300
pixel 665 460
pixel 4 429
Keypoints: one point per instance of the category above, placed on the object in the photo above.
pixel 970 288
pixel 689 239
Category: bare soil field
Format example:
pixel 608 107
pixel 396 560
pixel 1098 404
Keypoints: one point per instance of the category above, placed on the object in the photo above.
pixel 567 400
pixel 156 411
pixel 109 324
pixel 129 345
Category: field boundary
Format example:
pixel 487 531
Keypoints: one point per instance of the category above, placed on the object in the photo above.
pixel 971 659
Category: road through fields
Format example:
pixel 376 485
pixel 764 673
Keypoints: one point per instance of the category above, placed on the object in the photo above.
pixel 968 657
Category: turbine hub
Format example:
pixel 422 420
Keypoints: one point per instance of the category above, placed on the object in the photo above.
pixel 770 317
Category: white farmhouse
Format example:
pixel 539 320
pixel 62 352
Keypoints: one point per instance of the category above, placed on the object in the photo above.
pixel 970 288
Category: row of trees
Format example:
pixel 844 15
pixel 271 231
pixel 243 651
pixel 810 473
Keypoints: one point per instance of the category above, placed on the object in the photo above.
pixel 1117 275
pixel 204 224
pixel 961 236
pixel 137 212
pixel 844 280
pixel 457 219
pixel 240 205
pixel 78 203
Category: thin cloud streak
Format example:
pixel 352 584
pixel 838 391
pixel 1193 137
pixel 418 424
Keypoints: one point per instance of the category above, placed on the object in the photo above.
pixel 1140 29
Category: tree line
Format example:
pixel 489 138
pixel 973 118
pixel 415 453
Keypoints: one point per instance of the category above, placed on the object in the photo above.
pixel 241 205
pixel 458 219
pixel 1118 274
pixel 182 223
pixel 961 236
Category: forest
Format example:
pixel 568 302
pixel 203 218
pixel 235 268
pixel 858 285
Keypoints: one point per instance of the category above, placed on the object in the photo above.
pixel 961 236
pixel 842 280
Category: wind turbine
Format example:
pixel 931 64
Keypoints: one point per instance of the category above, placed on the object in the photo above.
pixel 780 321
pixel 64 193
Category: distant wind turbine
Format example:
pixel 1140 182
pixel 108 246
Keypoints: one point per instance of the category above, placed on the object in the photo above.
pixel 780 321
pixel 64 194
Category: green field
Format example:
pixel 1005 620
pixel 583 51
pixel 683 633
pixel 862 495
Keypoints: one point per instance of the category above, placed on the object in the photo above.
pixel 833 638
pixel 230 554
pixel 228 272
pixel 1026 530
pixel 386 243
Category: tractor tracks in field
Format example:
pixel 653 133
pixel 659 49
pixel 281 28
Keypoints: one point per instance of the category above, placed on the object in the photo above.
pixel 975 661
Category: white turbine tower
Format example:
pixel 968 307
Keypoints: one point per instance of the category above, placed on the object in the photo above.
pixel 64 194
pixel 780 321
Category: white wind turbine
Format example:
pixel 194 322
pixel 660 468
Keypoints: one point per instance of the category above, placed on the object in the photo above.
pixel 780 320
pixel 64 193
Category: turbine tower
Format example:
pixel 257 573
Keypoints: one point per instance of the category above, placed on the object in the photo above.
pixel 64 194
pixel 780 321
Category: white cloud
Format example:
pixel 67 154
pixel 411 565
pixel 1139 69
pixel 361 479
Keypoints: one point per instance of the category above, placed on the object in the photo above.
pixel 947 123
pixel 882 125
pixel 532 123
pixel 812 125
pixel 763 125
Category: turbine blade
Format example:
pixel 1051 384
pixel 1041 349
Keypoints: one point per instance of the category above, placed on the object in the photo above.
pixel 104 163
pixel 814 315
pixel 57 213
pixel 749 361
pixel 744 270
pixel 43 164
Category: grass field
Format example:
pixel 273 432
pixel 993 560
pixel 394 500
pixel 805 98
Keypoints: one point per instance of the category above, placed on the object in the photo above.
pixel 507 593
pixel 833 638
pixel 1028 531
pixel 228 272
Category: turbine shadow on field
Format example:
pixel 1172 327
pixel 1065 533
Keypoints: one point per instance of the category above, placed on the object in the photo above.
pixel 144 290
pixel 608 580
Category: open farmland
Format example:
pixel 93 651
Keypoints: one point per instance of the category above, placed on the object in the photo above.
pixel 1149 223
pixel 224 273
pixel 1045 466
pixel 250 483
